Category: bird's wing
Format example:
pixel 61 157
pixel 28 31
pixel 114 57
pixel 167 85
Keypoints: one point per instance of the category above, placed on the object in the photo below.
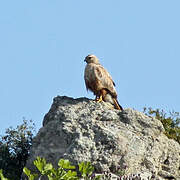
pixel 89 77
pixel 105 79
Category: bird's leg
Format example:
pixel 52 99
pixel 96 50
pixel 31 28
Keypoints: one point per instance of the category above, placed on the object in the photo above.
pixel 102 95
pixel 99 99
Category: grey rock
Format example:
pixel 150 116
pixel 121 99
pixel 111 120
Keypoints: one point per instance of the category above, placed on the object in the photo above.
pixel 114 141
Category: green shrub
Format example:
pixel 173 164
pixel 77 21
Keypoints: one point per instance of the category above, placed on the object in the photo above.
pixel 2 176
pixel 65 170
pixel 14 149
pixel 170 121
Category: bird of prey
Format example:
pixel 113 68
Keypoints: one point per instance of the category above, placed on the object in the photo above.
pixel 99 81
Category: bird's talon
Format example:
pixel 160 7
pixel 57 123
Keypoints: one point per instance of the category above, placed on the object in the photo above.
pixel 99 99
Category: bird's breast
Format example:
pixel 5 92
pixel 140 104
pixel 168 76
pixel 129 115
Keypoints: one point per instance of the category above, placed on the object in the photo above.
pixel 89 73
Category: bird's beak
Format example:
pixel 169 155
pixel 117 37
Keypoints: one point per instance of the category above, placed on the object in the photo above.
pixel 84 60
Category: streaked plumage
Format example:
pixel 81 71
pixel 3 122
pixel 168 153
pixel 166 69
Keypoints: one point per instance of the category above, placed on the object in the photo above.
pixel 99 81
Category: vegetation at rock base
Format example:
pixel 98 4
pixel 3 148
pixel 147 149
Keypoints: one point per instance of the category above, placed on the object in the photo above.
pixel 170 121
pixel 14 149
pixel 65 171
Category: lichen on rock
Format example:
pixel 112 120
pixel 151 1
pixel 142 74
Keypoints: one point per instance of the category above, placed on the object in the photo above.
pixel 84 130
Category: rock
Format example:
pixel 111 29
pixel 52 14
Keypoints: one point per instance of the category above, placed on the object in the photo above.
pixel 121 142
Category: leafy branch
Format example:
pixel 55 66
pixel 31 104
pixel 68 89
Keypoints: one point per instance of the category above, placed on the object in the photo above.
pixel 65 170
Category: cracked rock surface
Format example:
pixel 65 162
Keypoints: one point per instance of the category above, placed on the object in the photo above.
pixel 84 130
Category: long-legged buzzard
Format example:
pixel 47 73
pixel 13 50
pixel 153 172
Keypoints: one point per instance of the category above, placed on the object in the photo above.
pixel 99 81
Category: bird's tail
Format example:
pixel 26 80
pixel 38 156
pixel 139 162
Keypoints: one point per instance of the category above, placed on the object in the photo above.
pixel 113 100
pixel 117 105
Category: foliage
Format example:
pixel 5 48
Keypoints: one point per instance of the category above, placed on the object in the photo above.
pixel 170 121
pixel 2 176
pixel 65 170
pixel 86 169
pixel 14 149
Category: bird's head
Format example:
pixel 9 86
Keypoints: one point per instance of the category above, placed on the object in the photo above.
pixel 91 59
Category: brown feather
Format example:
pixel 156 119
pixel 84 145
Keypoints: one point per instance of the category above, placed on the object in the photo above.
pixel 99 81
pixel 117 105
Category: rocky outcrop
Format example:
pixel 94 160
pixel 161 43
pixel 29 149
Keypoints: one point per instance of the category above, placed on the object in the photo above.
pixel 129 141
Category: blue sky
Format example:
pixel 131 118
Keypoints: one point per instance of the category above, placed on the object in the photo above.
pixel 43 44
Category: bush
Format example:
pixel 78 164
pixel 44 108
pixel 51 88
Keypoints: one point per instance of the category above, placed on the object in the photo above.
pixel 14 149
pixel 170 121
pixel 65 171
